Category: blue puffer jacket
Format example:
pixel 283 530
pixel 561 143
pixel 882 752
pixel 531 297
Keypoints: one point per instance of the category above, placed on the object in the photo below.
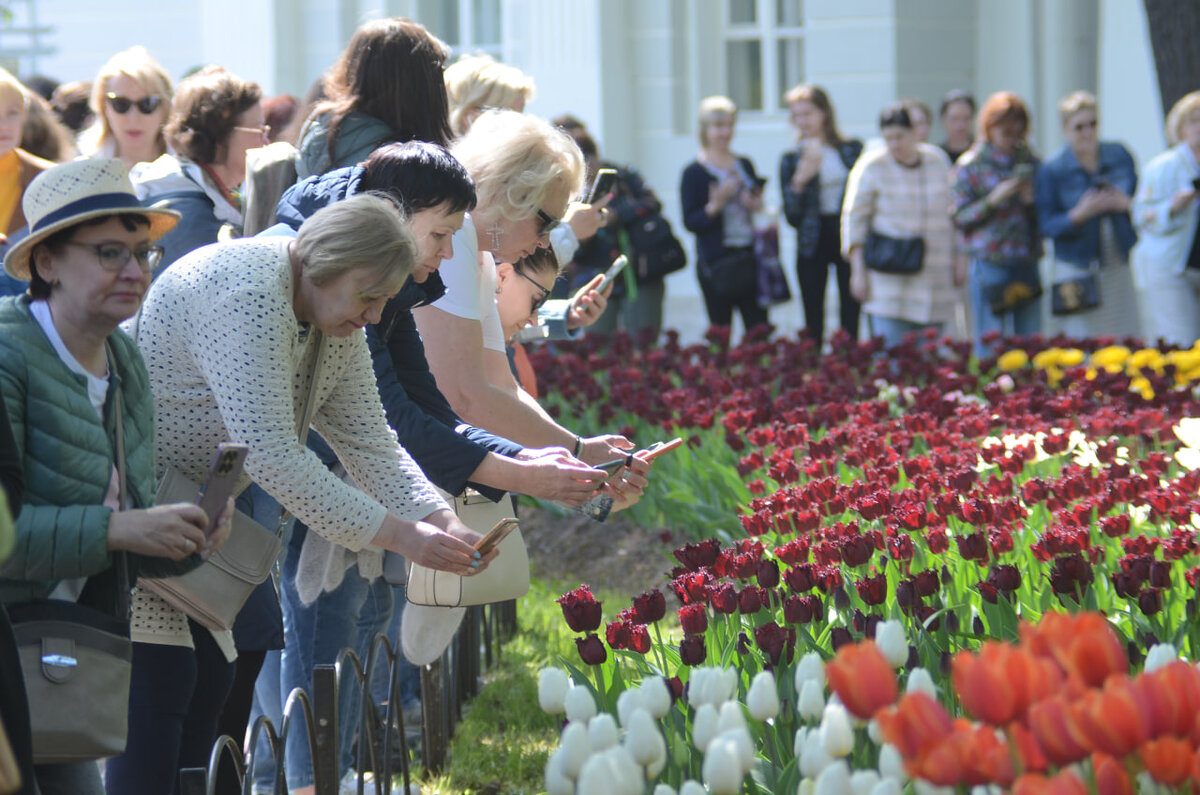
pixel 68 457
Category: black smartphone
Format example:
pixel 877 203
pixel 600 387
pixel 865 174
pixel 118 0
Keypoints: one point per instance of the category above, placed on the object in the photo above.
pixel 606 180
pixel 223 474
pixel 613 468
pixel 1196 184
pixel 496 535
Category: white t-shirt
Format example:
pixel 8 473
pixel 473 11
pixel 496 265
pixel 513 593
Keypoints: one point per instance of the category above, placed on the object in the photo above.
pixel 470 279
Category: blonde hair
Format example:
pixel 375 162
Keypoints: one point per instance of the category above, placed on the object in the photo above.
pixel 1180 111
pixel 11 88
pixel 365 231
pixel 1075 102
pixel 518 161
pixel 714 109
pixel 137 64
pixel 477 83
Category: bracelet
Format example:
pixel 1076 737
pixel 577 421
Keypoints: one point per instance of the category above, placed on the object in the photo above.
pixel 578 446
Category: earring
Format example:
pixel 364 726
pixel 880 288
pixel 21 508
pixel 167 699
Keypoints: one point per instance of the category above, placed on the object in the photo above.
pixel 494 233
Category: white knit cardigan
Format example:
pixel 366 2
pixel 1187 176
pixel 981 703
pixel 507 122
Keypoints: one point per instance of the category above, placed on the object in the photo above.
pixel 228 361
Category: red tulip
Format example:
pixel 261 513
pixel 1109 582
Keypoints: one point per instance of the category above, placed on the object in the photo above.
pixel 1168 759
pixel 862 678
pixel 694 619
pixel 691 650
pixel 650 606
pixel 913 723
pixel 581 610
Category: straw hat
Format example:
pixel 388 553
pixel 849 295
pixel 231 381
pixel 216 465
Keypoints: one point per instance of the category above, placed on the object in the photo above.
pixel 72 192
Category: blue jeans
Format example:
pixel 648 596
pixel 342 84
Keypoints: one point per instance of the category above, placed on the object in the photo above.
pixel 1026 320
pixel 894 329
pixel 315 635
pixel 409 674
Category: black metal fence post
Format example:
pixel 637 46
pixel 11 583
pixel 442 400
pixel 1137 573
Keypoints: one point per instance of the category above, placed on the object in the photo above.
pixel 325 714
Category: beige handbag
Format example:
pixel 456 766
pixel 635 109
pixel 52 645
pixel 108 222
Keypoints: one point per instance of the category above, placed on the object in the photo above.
pixel 507 577
pixel 214 593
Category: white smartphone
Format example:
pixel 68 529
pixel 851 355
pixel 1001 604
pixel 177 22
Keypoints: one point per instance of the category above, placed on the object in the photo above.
pixel 618 265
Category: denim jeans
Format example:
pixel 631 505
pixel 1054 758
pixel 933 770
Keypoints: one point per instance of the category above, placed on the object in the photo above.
pixel 894 329
pixel 1026 320
pixel 315 635
pixel 409 674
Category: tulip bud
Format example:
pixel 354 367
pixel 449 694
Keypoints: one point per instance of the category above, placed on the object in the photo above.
pixel 642 739
pixel 811 703
pixel 810 667
pixel 658 764
pixel 887 786
pixel 892 642
pixel 575 749
pixel 798 742
pixel 919 681
pixel 1159 655
pixel 837 738
pixel 726 682
pixel 628 702
pixel 595 778
pixel 834 780
pixel 722 768
pixel 553 684
pixel 814 759
pixel 862 782
pixel 557 782
pixel 891 764
pixel 579 705
pixel 742 742
pixel 602 732
pixel 691 787
pixel 763 699
pixel 807 787
pixel 704 726
pixel 656 696
pixel 874 732
pixel 626 775
pixel 731 717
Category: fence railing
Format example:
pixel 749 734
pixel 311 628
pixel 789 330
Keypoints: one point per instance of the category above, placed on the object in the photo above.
pixel 446 686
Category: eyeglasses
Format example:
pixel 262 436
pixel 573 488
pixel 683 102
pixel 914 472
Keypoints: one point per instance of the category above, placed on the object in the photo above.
pixel 264 131
pixel 1084 125
pixel 546 223
pixel 121 105
pixel 115 256
pixel 537 302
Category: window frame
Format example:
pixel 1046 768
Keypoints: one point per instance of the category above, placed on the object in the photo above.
pixel 768 33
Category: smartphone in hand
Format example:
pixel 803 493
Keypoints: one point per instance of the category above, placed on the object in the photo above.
pixel 223 474
pixel 658 448
pixel 496 535
pixel 606 180
pixel 618 265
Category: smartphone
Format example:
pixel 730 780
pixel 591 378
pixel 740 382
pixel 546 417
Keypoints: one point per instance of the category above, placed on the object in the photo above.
pixel 1196 184
pixel 496 535
pixel 223 474
pixel 1024 171
pixel 618 265
pixel 614 467
pixel 606 180
pixel 658 448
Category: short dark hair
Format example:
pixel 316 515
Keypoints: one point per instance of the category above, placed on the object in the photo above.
pixel 205 111
pixel 419 175
pixel 39 288
pixel 895 115
pixel 957 95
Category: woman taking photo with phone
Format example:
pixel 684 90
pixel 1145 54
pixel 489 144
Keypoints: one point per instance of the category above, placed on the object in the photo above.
pixel 720 192
pixel 77 393
pixel 131 97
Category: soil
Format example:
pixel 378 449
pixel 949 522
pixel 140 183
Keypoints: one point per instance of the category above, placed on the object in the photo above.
pixel 616 555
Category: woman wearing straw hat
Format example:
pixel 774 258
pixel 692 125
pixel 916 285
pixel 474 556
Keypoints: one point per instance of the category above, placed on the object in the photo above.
pixel 65 368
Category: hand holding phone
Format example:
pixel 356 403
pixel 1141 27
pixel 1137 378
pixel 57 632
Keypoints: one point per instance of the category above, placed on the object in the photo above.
pixel 223 474
pixel 658 448
pixel 618 265
pixel 496 535
pixel 606 180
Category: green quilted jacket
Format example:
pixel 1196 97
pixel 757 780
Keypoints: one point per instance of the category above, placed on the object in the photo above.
pixel 68 456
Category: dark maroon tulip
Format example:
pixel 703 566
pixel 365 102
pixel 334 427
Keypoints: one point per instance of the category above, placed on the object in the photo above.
pixel 1160 574
pixel 639 638
pixel 926 583
pixel 692 651
pixel 973 546
pixel 771 639
pixel 581 610
pixel 856 551
pixel 989 592
pixel 839 636
pixel 675 685
pixel 768 573
pixel 872 590
pixel 801 578
pixel 1150 601
pixel 724 598
pixel 591 649
pixel 796 610
pixel 1005 577
pixel 650 606
pixel 698 556
pixel 750 600
pixel 617 634
pixel 694 619
pixel 906 594
pixel 692 587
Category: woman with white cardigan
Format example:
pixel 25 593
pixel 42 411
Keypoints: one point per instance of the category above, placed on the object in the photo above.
pixel 901 191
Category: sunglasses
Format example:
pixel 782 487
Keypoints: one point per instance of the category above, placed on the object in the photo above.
pixel 545 222
pixel 537 302
pixel 115 256
pixel 121 105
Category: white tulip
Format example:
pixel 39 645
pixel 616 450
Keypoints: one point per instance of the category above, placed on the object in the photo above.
pixel 595 778
pixel 731 717
pixel 800 739
pixel 874 732
pixel 704 726
pixel 657 765
pixel 642 738
pixel 663 789
pixel 553 684
pixel 811 703
pixel 892 642
pixel 834 780
pixel 727 683
pixel 810 667
pixel 919 681
pixel 629 701
pixel 579 705
pixel 656 696
pixel 699 689
pixel 691 787
pixel 863 781
pixel 557 782
pixel 602 732
pixel 815 758
pixel 836 735
pixel 891 764
pixel 807 787
pixel 763 698
pixel 722 768
pixel 626 773
pixel 1146 785
pixel 1160 655
pixel 886 786
pixel 741 740
pixel 575 749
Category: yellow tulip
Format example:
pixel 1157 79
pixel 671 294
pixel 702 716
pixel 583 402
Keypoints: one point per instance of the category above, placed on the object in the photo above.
pixel 1012 360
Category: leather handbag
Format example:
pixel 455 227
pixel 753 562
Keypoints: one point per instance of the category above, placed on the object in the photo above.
pixel 213 594
pixel 1011 295
pixel 1072 296
pixel 507 577
pixel 734 273
pixel 902 256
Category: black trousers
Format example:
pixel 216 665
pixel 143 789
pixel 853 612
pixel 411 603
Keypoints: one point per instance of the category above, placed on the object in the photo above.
pixel 720 306
pixel 813 274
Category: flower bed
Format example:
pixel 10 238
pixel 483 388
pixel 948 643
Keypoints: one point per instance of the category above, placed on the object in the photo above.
pixel 947 501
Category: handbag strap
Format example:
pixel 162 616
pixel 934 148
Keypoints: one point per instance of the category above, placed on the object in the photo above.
pixel 124 586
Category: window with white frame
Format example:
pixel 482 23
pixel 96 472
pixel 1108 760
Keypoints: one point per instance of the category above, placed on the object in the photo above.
pixel 468 26
pixel 764 52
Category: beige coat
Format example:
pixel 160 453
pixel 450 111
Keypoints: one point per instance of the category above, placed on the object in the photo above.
pixel 891 199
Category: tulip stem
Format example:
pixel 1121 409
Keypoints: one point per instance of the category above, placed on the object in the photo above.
pixel 658 650
pixel 601 694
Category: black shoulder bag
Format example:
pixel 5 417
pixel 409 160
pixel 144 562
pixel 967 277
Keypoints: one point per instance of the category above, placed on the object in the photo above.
pixel 902 256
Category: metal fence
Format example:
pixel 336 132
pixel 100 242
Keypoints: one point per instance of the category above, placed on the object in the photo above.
pixel 446 686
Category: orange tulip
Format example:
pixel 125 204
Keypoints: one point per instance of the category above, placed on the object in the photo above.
pixel 1168 759
pixel 1171 698
pixel 1111 776
pixel 915 722
pixel 1112 720
pixel 1030 755
pixel 862 678
pixel 997 684
pixel 1050 721
pixel 1084 645
pixel 1065 783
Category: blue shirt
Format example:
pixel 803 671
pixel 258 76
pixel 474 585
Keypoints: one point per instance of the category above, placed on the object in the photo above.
pixel 1060 183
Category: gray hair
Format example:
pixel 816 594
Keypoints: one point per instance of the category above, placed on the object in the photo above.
pixel 364 231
